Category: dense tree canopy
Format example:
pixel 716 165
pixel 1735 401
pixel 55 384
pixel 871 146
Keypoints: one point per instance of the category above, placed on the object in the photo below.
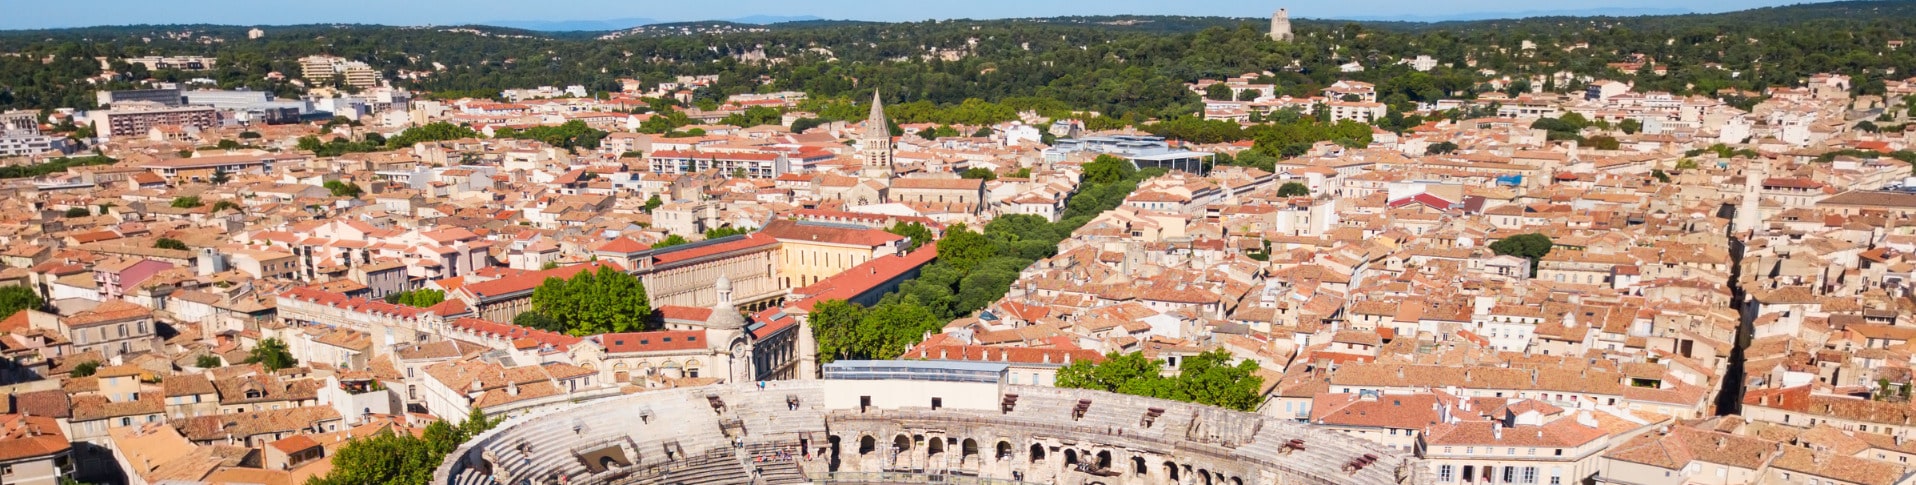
pixel 916 234
pixel 1215 378
pixel 401 458
pixel 571 134
pixel 1135 69
pixel 14 298
pixel 973 270
pixel 591 303
pixel 420 298
pixel 272 354
pixel 1532 246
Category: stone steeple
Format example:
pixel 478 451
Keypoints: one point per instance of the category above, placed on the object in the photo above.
pixel 876 143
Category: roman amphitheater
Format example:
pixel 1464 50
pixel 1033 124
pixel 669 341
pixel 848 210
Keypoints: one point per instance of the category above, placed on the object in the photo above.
pixel 911 426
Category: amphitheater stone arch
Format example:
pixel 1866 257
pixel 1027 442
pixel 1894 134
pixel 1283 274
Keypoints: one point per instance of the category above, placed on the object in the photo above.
pixel 1033 434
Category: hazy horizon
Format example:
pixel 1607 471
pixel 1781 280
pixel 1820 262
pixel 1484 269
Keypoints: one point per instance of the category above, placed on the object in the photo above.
pixel 55 15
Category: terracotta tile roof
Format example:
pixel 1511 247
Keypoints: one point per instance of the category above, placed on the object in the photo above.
pixel 674 254
pixel 529 280
pixel 24 437
pixel 514 332
pixel 1399 411
pixel 787 230
pixel 686 313
pixel 864 277
pixel 109 312
pixel 655 341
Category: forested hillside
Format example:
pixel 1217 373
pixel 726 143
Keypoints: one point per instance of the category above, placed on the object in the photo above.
pixel 1121 66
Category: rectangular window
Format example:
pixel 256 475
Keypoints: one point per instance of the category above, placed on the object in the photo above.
pixel 1446 473
pixel 1530 474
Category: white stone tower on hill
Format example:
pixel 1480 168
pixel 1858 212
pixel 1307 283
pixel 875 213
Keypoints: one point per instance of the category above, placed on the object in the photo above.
pixel 1281 26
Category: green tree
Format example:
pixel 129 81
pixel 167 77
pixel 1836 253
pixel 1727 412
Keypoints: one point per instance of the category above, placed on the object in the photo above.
pixel 594 302
pixel 718 232
pixel 1214 378
pixel 15 298
pixel 1112 374
pixel 835 328
pixel 220 177
pixel 186 202
pixel 915 234
pixel 671 240
pixel 979 173
pixel 272 354
pixel 86 369
pixel 1211 378
pixel 77 212
pixel 420 298
pixel 1293 189
pixel 1218 92
pixel 1630 126
pixel 341 188
pixel 170 243
pixel 224 204
pixel 387 458
pixel 802 124
pixel 1106 169
pixel 1532 246
pixel 963 249
pixel 653 203
pixel 1442 148
pixel 207 361
pixel 1605 143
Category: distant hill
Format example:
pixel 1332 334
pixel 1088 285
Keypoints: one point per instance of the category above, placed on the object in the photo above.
pixel 1469 16
pixel 607 25
pixel 574 25
pixel 773 19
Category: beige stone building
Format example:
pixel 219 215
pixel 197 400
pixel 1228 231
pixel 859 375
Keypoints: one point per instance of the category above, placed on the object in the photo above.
pixel 812 251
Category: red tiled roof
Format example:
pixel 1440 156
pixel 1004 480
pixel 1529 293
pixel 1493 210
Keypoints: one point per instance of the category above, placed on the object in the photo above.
pixel 655 341
pixel 529 280
pixel 514 332
pixel 864 277
pixel 754 240
pixel 796 231
pixel 674 312
pixel 623 245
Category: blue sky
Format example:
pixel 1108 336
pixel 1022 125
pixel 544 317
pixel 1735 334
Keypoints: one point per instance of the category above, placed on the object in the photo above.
pixel 27 14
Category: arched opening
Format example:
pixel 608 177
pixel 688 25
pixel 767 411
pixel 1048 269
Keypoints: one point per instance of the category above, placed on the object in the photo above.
pixel 1237 481
pixel 968 451
pixel 1037 452
pixel 935 447
pixel 1138 467
pixel 831 462
pixel 1171 471
pixel 1204 475
pixel 1104 459
pixel 901 444
pixel 1004 450
pixel 866 445
pixel 1070 457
